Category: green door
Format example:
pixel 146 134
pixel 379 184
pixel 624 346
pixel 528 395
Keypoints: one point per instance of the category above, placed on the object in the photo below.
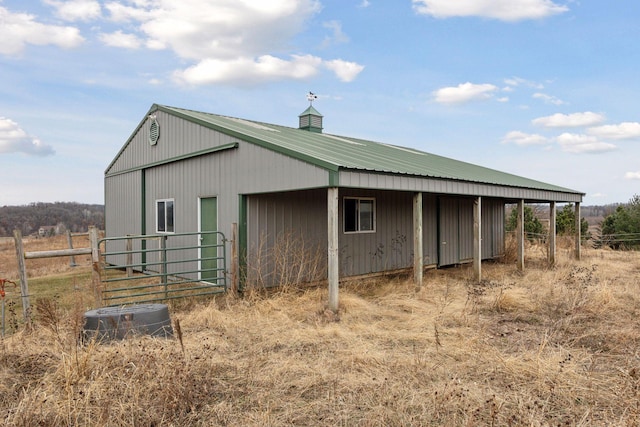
pixel 208 241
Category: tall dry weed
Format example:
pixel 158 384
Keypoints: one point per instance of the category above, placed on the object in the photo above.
pixel 540 347
pixel 286 261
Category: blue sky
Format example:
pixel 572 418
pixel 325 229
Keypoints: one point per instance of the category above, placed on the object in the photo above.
pixel 546 89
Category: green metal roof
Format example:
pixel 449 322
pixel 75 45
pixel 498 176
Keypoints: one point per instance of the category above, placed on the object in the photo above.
pixel 339 152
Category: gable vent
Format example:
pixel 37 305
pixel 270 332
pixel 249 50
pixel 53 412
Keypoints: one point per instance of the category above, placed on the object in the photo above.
pixel 154 132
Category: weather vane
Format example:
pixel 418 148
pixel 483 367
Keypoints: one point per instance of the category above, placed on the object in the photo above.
pixel 311 97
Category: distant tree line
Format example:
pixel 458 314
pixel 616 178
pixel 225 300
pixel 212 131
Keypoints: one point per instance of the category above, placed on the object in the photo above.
pixel 621 229
pixel 534 229
pixel 75 217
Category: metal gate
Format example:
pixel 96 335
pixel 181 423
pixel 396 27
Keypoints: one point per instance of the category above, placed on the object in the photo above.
pixel 153 268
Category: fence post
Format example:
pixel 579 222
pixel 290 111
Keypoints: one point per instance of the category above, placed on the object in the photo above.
pixel 22 269
pixel 72 263
pixel 95 265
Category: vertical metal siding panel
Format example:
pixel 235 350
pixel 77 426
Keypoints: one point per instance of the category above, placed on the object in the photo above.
pixel 488 225
pixel 258 240
pixel 499 225
pixel 398 224
pixel 430 229
pixel 285 224
pixel 122 200
pixel 448 221
pixel 498 228
pixel 390 246
pixel 492 228
pixel 465 215
pixel 122 210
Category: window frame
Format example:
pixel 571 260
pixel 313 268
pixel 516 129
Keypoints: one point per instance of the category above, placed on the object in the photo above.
pixel 166 217
pixel 358 219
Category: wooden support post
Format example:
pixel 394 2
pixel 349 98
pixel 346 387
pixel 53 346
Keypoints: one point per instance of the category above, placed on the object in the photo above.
pixel 552 234
pixel 578 232
pixel 22 270
pixel 477 238
pixel 520 235
pixel 72 262
pixel 333 274
pixel 418 259
pixel 96 265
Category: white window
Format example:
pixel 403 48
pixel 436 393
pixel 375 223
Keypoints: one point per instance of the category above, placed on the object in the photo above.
pixel 164 216
pixel 359 215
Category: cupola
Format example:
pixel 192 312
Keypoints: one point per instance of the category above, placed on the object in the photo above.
pixel 311 119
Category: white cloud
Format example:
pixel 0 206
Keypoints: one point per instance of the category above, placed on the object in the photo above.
pixel 120 39
pixel 19 29
pixel 337 36
pixel 576 143
pixel 203 29
pixel 519 81
pixel 15 140
pixel 121 13
pixel 560 120
pixel 632 175
pixel 345 71
pixel 626 130
pixel 504 10
pixel 365 3
pixel 524 139
pixel 464 92
pixel 242 42
pixel 248 71
pixel 548 99
pixel 76 10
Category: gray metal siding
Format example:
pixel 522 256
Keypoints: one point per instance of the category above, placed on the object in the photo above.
pixel 364 179
pixel 465 228
pixel 430 229
pixel 256 169
pixel 177 137
pixel 301 218
pixel 123 201
pixel 390 246
pixel 492 228
pixel 225 174
pixel 448 231
pixel 456 230
pixel 123 195
pixel 286 237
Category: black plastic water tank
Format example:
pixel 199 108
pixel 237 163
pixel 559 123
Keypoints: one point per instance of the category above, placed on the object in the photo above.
pixel 116 323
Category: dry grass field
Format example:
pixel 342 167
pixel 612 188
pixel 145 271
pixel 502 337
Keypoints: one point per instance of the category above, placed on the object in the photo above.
pixel 543 347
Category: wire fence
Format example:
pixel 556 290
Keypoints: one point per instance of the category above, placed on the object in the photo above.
pixel 619 241
pixel 622 241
